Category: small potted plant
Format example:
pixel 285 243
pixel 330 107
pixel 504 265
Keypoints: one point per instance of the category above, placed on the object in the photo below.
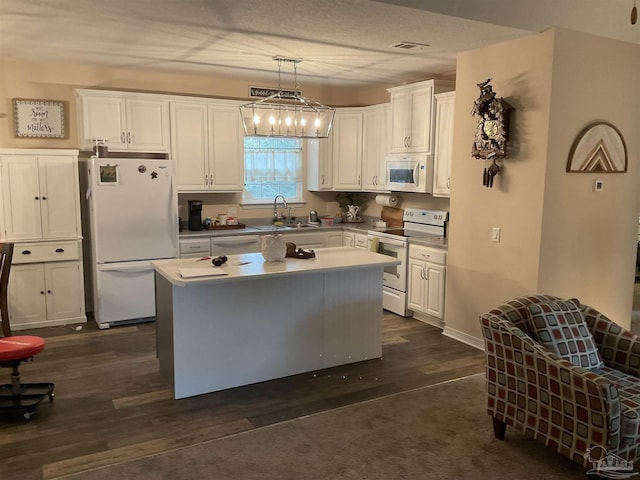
pixel 348 200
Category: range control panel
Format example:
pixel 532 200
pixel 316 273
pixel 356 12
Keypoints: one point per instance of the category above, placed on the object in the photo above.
pixel 426 217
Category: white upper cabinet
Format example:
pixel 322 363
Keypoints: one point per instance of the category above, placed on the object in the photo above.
pixel 40 195
pixel 375 133
pixel 320 164
pixel 207 146
pixel 445 107
pixel 128 121
pixel 190 145
pixel 226 149
pixel 412 114
pixel 347 149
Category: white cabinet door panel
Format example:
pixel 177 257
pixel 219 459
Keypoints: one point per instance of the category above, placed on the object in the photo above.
pixel 27 295
pixel 190 145
pixel 104 118
pixel 226 151
pixel 148 125
pixel 21 198
pixel 63 294
pixel 58 199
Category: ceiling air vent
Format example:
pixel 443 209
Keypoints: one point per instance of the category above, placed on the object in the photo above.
pixel 410 45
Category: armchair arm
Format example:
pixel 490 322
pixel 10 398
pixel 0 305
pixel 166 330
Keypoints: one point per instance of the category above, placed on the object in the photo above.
pixel 619 348
pixel 567 407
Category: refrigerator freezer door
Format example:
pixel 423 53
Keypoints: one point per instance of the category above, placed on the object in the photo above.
pixel 125 292
pixel 133 209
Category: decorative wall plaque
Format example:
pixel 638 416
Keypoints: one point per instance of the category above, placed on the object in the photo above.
pixel 598 148
pixel 39 118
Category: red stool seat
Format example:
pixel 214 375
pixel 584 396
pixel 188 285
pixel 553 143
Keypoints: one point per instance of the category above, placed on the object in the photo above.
pixel 20 347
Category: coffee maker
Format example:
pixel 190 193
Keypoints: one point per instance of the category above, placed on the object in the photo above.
pixel 195 215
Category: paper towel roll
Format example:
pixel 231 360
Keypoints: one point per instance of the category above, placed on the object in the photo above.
pixel 387 200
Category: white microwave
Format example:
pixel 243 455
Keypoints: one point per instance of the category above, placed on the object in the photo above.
pixel 409 173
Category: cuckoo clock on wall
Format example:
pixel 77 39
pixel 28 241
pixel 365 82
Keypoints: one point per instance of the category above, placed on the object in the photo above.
pixel 492 132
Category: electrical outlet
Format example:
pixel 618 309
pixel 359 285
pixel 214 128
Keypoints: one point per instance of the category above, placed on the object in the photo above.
pixel 598 185
pixel 495 234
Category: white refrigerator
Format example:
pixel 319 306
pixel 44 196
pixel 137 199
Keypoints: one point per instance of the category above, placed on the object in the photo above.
pixel 133 217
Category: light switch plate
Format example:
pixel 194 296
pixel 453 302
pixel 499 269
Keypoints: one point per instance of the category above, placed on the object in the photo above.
pixel 598 185
pixel 495 234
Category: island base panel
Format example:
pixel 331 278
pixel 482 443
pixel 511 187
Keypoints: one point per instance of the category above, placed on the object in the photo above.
pixel 217 336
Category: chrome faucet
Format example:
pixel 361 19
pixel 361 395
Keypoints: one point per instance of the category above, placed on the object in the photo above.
pixel 277 218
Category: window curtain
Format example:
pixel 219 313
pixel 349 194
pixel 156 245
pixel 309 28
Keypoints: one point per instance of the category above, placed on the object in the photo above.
pixel 273 164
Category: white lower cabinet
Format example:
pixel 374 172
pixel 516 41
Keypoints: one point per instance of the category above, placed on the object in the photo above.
pixel 195 247
pixel 348 239
pixel 427 268
pixel 46 294
pixel 235 244
pixel 306 240
pixel 361 241
pixel 333 239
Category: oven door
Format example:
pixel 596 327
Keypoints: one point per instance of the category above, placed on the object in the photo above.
pixel 395 276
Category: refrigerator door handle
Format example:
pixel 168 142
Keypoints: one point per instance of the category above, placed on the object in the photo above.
pixel 173 213
pixel 129 267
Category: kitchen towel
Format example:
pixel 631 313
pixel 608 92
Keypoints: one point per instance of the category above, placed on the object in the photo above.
pixel 387 200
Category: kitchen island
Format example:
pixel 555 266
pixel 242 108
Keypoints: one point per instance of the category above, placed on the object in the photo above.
pixel 261 320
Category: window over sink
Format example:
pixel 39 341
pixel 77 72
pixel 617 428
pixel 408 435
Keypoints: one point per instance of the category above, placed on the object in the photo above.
pixel 272 166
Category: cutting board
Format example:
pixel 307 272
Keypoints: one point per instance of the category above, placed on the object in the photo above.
pixel 393 216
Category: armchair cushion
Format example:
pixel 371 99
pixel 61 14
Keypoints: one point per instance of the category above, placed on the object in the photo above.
pixel 560 327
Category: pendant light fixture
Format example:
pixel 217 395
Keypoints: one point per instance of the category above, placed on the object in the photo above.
pixel 287 113
pixel 634 13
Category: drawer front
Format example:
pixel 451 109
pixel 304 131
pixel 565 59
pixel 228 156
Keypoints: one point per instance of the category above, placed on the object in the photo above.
pixel 427 254
pixel 361 241
pixel 45 252
pixel 194 246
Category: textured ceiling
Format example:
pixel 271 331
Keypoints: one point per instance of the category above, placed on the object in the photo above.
pixel 342 42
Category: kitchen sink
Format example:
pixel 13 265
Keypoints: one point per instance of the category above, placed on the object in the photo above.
pixel 301 225
pixel 271 228
pixel 293 226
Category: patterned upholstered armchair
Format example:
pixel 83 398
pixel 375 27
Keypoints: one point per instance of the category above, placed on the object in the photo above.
pixel 564 374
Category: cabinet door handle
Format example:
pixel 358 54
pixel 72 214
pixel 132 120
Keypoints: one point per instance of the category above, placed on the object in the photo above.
pixel 36 198
pixel 122 138
pixel 44 198
pixel 425 255
pixel 129 137
pixel 41 292
pixel 48 291
pixel 449 182
pixel 26 252
pixel 59 250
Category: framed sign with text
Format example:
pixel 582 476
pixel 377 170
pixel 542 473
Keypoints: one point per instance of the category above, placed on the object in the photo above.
pixel 39 118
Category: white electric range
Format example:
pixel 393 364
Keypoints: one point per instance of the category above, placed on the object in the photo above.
pixel 395 243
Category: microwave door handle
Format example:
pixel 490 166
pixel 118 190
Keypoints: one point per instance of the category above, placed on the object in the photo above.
pixel 416 171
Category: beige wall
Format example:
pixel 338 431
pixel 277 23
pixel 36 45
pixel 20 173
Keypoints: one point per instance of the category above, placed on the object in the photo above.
pixel 556 235
pixel 589 238
pixel 54 81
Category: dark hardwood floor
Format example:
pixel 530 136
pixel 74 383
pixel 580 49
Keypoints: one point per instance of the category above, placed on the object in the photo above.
pixel 111 405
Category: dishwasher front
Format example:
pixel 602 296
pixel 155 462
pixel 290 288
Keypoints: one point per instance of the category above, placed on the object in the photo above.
pixel 232 244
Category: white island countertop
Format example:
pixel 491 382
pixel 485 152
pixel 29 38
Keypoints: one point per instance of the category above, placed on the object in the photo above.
pixel 252 266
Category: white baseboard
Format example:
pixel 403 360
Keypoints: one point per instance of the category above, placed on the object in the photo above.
pixel 464 338
pixel 433 321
